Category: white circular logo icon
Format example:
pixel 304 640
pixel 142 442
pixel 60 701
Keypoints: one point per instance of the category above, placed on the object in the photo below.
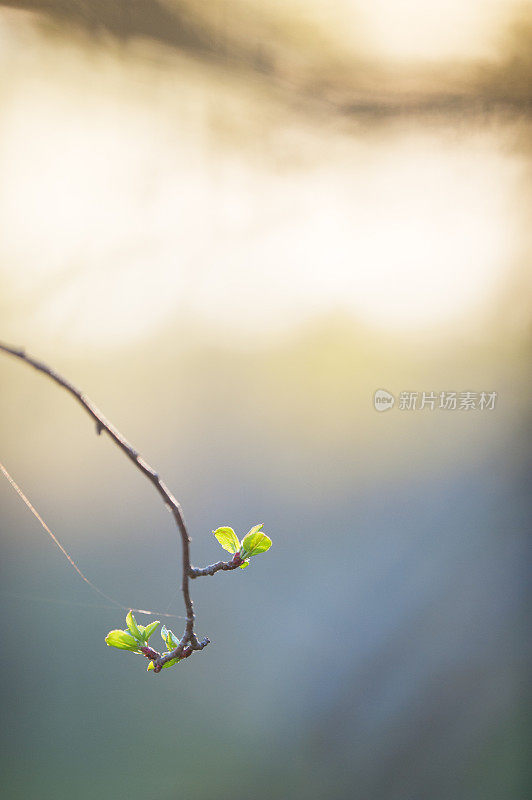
pixel 383 400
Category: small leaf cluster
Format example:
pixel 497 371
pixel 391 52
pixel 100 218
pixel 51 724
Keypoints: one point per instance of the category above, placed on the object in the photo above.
pixel 171 641
pixel 253 543
pixel 135 637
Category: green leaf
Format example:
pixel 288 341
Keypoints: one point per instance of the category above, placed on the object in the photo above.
pixel 244 564
pixel 228 539
pixel 255 542
pixel 123 640
pixel 171 662
pixel 169 638
pixel 132 625
pixel 166 637
pixel 171 641
pixel 149 629
pixel 255 529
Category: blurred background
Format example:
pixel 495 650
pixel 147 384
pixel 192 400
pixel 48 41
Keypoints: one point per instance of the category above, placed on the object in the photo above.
pixel 230 222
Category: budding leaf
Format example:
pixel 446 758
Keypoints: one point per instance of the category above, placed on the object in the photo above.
pixel 149 629
pixel 228 539
pixel 132 625
pixel 171 663
pixel 255 542
pixel 169 638
pixel 255 529
pixel 244 564
pixel 123 640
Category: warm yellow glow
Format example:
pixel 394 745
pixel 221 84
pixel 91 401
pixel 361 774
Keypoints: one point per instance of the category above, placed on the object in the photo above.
pixel 428 29
pixel 121 209
pixel 404 232
pixel 404 29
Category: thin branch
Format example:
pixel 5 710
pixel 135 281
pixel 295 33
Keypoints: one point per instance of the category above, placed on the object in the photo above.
pixel 188 642
pixel 235 562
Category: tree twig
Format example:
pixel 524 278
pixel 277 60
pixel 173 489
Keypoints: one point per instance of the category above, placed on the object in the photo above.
pixel 189 641
pixel 235 562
